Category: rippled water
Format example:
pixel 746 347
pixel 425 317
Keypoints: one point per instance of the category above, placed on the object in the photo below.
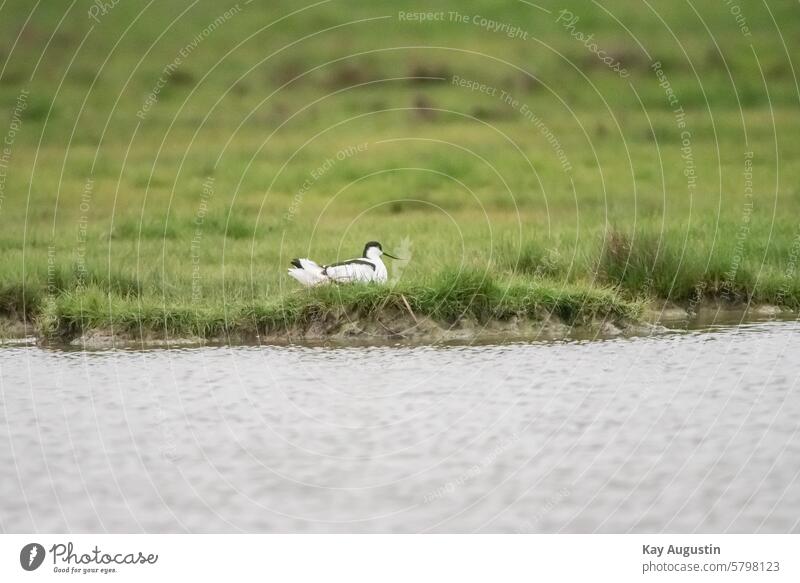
pixel 680 432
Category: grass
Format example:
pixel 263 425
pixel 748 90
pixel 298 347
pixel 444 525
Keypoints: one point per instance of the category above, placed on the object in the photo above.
pixel 183 219
pixel 447 298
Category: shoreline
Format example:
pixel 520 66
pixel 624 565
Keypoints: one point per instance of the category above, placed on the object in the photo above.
pixel 399 327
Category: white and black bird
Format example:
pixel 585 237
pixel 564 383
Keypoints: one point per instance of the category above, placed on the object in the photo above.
pixel 364 269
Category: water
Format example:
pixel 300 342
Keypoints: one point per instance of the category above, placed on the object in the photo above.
pixel 680 432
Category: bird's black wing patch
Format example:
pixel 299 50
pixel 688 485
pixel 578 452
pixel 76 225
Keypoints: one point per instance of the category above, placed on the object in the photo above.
pixel 349 261
pixel 296 263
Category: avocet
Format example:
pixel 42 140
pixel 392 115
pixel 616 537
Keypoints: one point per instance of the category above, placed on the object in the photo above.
pixel 364 269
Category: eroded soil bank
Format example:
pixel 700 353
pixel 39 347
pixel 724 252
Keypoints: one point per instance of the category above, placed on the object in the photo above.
pixel 403 326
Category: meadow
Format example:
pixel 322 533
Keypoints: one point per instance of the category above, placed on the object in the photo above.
pixel 161 163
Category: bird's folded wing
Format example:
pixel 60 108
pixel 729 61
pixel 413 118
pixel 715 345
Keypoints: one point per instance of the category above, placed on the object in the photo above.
pixel 355 270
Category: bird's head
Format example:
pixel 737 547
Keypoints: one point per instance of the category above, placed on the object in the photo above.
pixel 373 250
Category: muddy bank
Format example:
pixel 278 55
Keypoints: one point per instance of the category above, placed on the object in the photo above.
pixel 395 326
pixel 713 313
pixel 342 328
pixel 357 331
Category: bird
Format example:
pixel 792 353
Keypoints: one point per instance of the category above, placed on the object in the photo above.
pixel 363 269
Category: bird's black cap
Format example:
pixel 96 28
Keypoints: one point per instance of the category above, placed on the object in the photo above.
pixel 371 244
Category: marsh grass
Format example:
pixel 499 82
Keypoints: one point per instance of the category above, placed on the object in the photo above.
pixel 449 297
pixel 535 259
pixel 610 279
pixel 678 265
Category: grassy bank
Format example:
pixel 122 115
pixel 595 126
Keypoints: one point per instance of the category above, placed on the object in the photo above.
pixel 448 299
pixel 159 177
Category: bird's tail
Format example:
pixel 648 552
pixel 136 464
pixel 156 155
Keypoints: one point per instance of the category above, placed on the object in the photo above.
pixel 307 272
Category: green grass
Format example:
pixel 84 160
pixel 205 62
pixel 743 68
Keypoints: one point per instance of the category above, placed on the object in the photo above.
pixel 447 298
pixel 254 153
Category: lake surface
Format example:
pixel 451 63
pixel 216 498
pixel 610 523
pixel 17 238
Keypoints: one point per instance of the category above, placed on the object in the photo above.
pixel 690 431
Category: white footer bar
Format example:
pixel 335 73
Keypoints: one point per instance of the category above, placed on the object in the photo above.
pixel 400 558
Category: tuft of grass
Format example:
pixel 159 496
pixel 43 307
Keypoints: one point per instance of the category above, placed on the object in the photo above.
pixel 677 266
pixel 18 301
pixel 456 294
pixel 534 259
